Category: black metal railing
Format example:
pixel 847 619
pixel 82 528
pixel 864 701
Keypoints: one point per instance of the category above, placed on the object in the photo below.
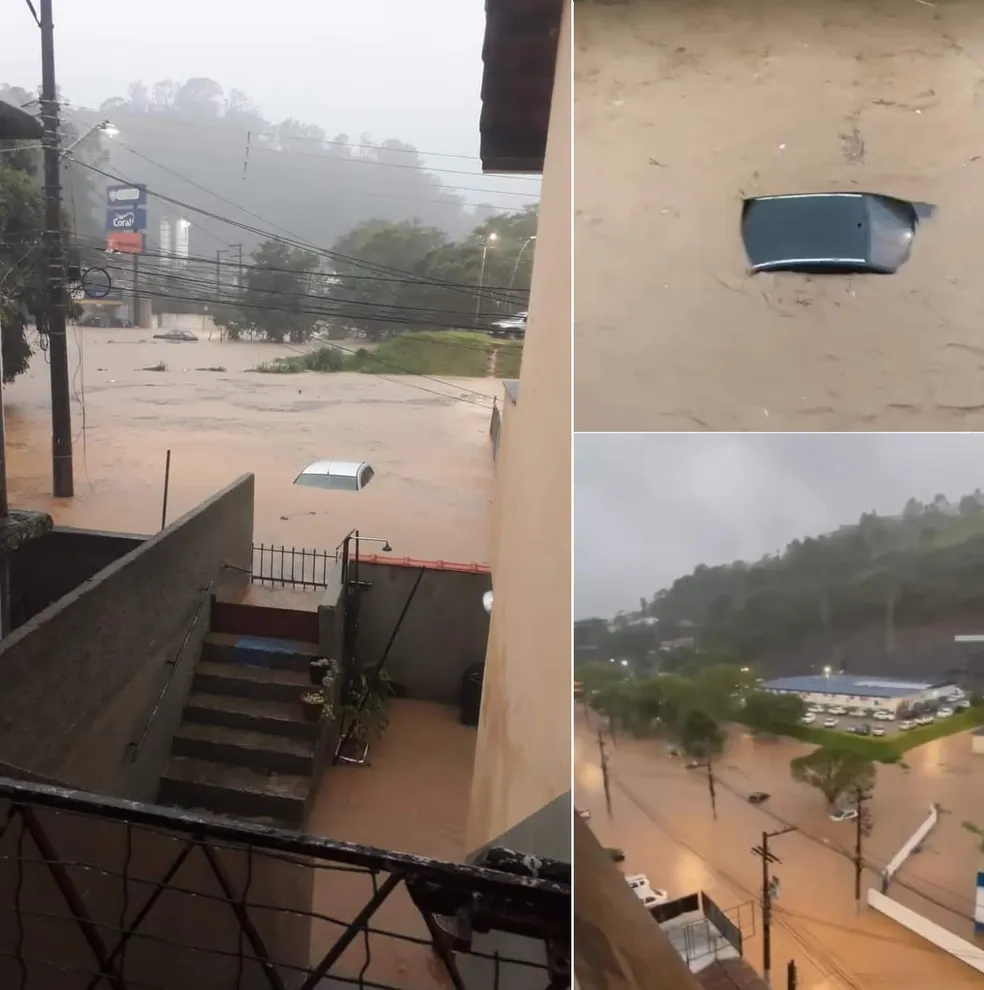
pixel 298 567
pixel 100 892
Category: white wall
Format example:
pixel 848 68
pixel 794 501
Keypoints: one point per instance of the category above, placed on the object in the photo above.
pixel 896 862
pixel 963 950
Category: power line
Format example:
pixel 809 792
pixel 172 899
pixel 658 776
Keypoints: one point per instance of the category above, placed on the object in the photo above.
pixel 291 240
pixel 218 124
pixel 531 195
pixel 212 264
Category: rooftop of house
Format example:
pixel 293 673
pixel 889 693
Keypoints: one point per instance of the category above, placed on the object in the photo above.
pixel 846 684
pixel 520 54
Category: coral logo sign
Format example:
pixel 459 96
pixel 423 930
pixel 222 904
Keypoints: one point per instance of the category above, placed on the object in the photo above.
pixel 126 219
pixel 126 196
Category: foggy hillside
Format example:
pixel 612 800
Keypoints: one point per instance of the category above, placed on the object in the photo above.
pixel 198 144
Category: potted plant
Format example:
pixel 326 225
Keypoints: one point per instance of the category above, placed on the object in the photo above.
pixel 312 702
pixel 369 721
pixel 321 668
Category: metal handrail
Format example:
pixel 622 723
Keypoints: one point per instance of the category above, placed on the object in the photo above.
pixel 134 748
pixel 462 877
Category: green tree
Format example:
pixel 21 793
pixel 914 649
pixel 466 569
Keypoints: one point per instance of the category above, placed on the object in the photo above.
pixel 21 253
pixel 834 772
pixel 279 298
pixel 700 734
pixel 772 713
pixel 443 291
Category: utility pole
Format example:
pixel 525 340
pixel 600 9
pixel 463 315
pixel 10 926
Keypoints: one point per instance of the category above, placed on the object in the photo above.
pixel 61 409
pixel 136 290
pixel 604 772
pixel 710 787
pixel 218 271
pixel 791 975
pixel 863 828
pixel 770 890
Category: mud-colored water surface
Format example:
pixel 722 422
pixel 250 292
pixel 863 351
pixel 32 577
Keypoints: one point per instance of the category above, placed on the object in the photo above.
pixel 661 817
pixel 427 440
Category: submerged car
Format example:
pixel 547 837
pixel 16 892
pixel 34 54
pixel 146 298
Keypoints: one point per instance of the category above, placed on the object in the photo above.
pixel 758 797
pixel 843 815
pixel 830 233
pixel 177 336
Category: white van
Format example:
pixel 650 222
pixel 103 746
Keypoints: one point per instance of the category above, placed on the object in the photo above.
pixel 649 895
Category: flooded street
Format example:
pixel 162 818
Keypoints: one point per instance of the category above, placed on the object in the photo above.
pixel 426 438
pixel 661 817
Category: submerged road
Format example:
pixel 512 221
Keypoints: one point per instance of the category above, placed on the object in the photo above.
pixel 661 818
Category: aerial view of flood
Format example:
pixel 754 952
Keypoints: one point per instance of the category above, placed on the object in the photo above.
pixel 428 442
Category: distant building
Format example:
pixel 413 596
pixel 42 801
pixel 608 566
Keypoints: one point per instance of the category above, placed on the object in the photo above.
pixel 859 691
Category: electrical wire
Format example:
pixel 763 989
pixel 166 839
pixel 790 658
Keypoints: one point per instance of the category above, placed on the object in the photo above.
pixel 291 240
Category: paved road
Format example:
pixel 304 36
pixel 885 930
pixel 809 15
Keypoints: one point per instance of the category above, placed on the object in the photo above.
pixel 661 818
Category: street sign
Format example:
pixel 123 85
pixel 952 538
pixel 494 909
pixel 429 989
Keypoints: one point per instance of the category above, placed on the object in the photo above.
pixel 126 242
pixel 125 218
pixel 126 196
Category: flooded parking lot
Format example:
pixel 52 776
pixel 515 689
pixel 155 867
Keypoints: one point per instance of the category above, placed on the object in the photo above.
pixel 426 438
pixel 662 820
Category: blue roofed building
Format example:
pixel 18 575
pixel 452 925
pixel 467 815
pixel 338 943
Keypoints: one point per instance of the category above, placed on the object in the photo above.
pixel 884 693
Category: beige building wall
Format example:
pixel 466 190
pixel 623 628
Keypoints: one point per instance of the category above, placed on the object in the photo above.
pixel 523 757
pixel 684 108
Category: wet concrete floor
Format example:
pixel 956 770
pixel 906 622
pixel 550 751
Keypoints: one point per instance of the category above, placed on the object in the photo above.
pixel 413 798
pixel 661 817
pixel 427 439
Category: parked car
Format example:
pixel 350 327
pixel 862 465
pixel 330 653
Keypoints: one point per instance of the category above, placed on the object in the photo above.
pixel 808 719
pixel 863 730
pixel 878 730
pixel 925 720
pixel 649 895
pixel 177 336
pixel 859 713
pixel 843 815
pixel 906 725
pixel 830 723
pixel 944 713
pixel 837 710
pixel 815 709
pixel 963 703
pixel 758 797
pixel 510 326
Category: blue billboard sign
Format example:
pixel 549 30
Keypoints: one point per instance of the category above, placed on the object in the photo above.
pixel 120 219
pixel 131 196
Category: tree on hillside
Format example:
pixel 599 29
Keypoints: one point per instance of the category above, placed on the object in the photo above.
pixel 280 297
pixel 834 772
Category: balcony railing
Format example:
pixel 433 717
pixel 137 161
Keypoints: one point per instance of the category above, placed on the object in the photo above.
pixel 296 567
pixel 100 892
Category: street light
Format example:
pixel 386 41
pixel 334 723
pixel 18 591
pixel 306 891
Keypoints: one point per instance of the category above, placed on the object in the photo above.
pixel 529 240
pixel 106 127
pixel 491 239
pixel 826 671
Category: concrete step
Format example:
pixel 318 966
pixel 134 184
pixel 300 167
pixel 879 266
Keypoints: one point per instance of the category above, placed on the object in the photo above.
pixel 278 718
pixel 259 651
pixel 239 747
pixel 229 790
pixel 271 684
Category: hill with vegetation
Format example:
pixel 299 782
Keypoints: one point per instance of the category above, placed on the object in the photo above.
pixel 921 567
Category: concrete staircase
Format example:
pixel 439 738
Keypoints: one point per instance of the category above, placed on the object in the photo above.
pixel 243 747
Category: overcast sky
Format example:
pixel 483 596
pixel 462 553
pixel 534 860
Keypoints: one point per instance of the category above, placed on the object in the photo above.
pixel 390 68
pixel 649 508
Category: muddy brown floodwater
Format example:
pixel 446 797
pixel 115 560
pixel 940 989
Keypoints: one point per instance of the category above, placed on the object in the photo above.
pixel 427 440
pixel 661 817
